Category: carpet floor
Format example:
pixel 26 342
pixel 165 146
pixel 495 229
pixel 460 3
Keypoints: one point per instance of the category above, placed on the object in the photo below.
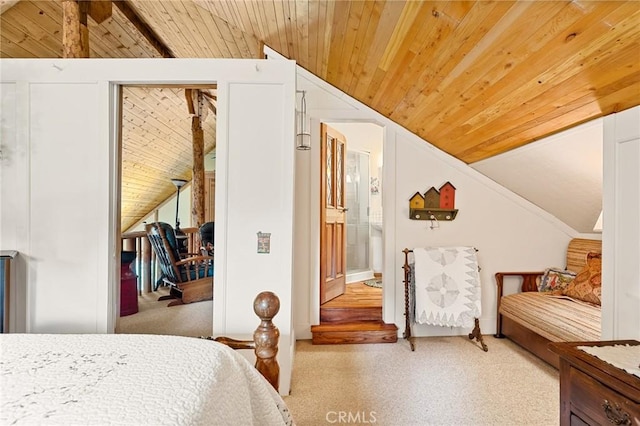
pixel 154 317
pixel 446 381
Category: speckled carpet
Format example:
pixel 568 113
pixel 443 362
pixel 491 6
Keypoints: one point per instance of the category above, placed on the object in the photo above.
pixel 446 381
pixel 154 317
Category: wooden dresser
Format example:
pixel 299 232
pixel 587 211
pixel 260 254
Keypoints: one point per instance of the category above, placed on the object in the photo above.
pixel 594 392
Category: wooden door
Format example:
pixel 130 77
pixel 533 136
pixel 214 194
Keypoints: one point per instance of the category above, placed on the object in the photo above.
pixel 332 214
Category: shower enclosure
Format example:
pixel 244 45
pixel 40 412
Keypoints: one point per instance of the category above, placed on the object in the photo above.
pixel 358 226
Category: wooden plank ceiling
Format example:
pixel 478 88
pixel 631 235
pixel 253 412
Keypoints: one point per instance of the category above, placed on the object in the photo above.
pixel 474 78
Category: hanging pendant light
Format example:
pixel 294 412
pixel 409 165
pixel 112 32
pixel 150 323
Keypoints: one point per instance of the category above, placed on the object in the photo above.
pixel 303 138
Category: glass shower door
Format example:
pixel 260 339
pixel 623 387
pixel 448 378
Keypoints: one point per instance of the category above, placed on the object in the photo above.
pixel 357 203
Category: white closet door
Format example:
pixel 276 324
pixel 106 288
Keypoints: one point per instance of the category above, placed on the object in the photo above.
pixel 621 230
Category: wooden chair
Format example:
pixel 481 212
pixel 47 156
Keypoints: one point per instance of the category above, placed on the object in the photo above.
pixel 190 278
pixel 206 232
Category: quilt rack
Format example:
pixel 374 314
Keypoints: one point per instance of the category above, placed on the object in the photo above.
pixel 475 333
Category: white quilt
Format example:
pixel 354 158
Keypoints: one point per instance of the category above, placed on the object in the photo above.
pixel 131 380
pixel 447 286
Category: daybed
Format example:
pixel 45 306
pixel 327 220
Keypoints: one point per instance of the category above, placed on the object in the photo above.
pixel 100 379
pixel 557 305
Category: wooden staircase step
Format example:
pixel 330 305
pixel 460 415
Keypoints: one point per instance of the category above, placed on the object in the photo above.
pixel 348 315
pixel 354 332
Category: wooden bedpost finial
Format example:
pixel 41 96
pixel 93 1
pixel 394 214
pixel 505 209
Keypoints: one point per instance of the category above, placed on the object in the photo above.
pixel 266 305
pixel 265 338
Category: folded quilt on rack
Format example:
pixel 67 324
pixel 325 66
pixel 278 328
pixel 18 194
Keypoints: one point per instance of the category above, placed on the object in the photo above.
pixel 447 286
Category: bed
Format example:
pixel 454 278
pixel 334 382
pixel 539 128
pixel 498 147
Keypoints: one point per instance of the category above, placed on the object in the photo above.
pixel 534 318
pixel 93 379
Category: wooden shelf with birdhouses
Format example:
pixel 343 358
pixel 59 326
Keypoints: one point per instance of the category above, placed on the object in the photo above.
pixel 435 204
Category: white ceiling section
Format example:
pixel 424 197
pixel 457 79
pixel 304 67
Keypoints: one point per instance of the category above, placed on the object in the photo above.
pixel 562 174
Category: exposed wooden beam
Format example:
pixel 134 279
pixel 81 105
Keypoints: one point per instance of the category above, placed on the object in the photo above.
pixel 100 10
pixel 75 33
pixel 194 105
pixel 210 100
pixel 188 95
pixel 144 28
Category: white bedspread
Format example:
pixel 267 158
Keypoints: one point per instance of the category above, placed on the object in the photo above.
pixel 447 286
pixel 133 380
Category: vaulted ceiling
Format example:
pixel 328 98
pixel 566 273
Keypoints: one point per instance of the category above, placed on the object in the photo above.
pixel 474 78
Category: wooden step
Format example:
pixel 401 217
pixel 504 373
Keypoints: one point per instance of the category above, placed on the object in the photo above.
pixel 348 315
pixel 354 332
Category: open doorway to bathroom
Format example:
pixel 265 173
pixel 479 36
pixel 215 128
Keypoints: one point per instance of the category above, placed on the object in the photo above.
pixel 359 188
pixel 362 299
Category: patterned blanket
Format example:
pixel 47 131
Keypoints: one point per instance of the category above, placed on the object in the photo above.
pixel 446 286
pixel 93 379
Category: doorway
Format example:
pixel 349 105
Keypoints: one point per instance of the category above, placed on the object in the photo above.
pixel 157 148
pixel 355 314
pixel 363 218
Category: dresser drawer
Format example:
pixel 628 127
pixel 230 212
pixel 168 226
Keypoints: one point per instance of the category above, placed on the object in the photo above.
pixel 596 403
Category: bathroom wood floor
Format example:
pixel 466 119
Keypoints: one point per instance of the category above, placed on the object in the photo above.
pixel 354 317
pixel 357 295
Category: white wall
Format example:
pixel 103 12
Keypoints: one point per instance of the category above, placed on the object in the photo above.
pixel 621 226
pixel 563 173
pixel 254 193
pixel 14 194
pixel 55 214
pixel 60 193
pixel 511 233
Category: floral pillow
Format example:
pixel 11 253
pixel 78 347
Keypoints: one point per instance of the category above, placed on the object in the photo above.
pixel 555 280
pixel 588 283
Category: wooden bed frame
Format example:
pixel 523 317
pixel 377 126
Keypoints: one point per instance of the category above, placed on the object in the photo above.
pixel 505 327
pixel 265 339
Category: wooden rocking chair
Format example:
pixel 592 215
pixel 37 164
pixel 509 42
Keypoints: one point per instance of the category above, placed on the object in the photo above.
pixel 190 278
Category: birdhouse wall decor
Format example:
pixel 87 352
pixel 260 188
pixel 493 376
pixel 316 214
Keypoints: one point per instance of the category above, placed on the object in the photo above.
pixel 435 204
